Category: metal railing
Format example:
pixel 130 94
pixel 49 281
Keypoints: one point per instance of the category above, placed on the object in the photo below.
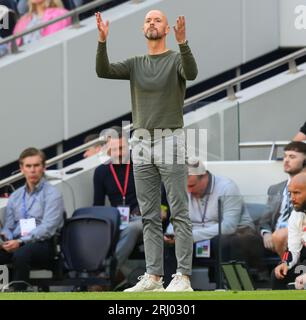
pixel 229 86
pixel 262 144
pixel 54 160
pixel 74 14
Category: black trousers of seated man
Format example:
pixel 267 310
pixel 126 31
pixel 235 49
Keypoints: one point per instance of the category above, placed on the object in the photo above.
pixel 244 245
pixel 281 284
pixel 34 255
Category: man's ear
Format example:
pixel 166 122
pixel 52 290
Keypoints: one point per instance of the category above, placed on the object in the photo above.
pixel 167 29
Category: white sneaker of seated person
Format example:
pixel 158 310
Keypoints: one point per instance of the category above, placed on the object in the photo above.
pixel 147 283
pixel 179 283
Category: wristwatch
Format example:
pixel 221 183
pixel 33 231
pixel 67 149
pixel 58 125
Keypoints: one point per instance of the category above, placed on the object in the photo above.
pixel 185 42
pixel 21 243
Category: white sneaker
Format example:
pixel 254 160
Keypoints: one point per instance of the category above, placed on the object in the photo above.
pixel 146 283
pixel 179 283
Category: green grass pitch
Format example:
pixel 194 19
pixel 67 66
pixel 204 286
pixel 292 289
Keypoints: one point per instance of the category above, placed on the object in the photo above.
pixel 197 295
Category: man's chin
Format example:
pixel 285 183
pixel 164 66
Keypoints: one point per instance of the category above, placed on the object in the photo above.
pixel 153 37
pixel 33 181
pixel 300 208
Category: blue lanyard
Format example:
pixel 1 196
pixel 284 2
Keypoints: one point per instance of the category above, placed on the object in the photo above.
pixel 211 183
pixel 25 210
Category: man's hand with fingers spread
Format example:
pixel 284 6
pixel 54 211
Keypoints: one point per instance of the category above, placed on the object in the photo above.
pixel 180 30
pixel 102 27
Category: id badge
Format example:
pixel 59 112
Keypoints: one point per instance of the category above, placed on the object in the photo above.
pixel 124 216
pixel 27 225
pixel 203 249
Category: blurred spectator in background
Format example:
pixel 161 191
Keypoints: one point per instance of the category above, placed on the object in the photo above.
pixel 23 7
pixel 9 12
pixel 8 18
pixel 273 225
pixel 301 135
pixel 41 11
pixel 98 147
pixel 3 49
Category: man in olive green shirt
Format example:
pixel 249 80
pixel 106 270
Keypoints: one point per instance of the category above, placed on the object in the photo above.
pixel 158 85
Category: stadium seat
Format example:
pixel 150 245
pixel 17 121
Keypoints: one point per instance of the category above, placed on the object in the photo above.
pixel 87 244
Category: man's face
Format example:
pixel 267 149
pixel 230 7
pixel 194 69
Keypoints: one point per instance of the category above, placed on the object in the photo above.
pixel 298 195
pixel 155 25
pixel 91 151
pixel 196 185
pixel 293 162
pixel 118 150
pixel 33 169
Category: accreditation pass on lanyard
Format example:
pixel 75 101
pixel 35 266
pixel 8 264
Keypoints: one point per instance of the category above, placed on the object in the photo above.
pixel 27 224
pixel 203 249
pixel 124 210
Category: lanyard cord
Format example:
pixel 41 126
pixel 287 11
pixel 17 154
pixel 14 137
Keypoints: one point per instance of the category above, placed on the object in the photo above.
pixel 126 180
pixel 210 187
pixel 25 210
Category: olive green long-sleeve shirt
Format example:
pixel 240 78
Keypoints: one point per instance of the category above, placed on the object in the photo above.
pixel 157 83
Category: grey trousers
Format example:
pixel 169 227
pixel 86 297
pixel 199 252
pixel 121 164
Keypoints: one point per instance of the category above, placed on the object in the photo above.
pixel 128 239
pixel 149 171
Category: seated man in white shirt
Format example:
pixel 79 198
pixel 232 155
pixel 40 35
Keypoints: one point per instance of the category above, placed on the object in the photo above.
pixel 293 261
pixel 237 227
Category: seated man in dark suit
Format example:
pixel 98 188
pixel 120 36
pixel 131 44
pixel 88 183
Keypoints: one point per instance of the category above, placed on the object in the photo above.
pixel 116 180
pixel 33 215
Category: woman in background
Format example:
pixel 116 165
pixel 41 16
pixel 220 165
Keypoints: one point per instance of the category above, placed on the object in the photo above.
pixel 41 11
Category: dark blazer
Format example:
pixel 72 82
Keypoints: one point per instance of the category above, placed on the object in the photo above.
pixel 275 198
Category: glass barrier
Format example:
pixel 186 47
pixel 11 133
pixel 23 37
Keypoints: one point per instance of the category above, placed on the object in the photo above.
pixel 216 127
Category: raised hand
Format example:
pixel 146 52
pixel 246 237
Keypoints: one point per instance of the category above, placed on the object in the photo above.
pixel 180 30
pixel 102 27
